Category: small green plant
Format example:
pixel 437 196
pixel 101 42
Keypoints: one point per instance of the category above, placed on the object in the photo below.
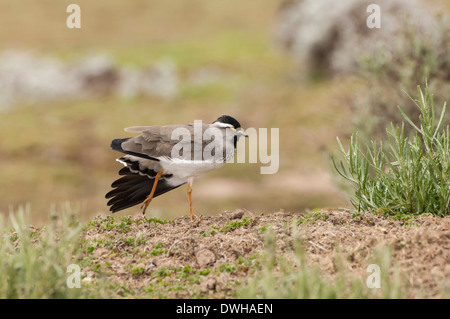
pixel 137 270
pixel 125 224
pixel 96 267
pixel 156 220
pixel 313 217
pixel 229 268
pixel 233 225
pixel 264 228
pixel 214 230
pixel 204 272
pixel 93 223
pixel 108 223
pixel 130 241
pixel 162 272
pixel 90 249
pixel 413 176
pixel 158 250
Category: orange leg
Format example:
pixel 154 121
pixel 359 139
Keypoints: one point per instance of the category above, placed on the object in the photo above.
pixel 189 191
pixel 147 201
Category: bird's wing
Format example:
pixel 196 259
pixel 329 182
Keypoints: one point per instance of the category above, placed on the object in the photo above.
pixel 159 141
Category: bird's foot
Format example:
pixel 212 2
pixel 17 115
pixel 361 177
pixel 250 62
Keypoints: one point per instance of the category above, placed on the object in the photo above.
pixel 145 204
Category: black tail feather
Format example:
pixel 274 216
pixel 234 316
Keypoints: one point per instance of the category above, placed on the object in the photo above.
pixel 133 188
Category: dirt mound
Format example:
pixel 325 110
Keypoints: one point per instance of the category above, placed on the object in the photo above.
pixel 214 255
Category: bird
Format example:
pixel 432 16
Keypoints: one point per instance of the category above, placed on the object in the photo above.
pixel 162 158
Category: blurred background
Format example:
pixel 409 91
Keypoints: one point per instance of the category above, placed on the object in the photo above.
pixel 311 68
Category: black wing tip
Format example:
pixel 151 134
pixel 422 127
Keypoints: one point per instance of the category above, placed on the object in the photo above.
pixel 116 144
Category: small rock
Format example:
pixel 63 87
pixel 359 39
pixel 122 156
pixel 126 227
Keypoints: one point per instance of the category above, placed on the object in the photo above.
pixel 205 257
pixel 150 266
pixel 208 284
pixel 238 213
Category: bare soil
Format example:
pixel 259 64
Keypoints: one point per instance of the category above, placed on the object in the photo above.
pixel 212 256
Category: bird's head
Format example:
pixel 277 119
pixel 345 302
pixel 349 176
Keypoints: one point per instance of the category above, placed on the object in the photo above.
pixel 227 121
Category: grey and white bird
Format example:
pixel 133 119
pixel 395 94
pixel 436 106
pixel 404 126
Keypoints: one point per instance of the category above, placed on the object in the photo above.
pixel 163 158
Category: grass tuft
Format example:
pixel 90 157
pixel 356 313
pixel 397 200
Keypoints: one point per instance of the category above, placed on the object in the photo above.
pixel 34 261
pixel 407 176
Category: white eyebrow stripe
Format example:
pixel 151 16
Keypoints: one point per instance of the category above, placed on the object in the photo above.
pixel 224 125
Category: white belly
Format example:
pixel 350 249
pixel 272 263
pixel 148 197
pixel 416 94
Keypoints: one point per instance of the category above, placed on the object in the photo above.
pixel 185 169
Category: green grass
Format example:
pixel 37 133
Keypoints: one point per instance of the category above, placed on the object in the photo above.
pixel 156 220
pixel 313 217
pixel 230 226
pixel 413 176
pixel 229 268
pixel 136 270
pixel 158 250
pixel 34 262
pixel 280 277
pixel 230 49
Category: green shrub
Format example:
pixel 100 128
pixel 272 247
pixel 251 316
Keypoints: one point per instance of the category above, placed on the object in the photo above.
pixel 408 175
pixel 34 261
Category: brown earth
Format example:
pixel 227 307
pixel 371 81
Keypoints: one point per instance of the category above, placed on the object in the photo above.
pixel 214 255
